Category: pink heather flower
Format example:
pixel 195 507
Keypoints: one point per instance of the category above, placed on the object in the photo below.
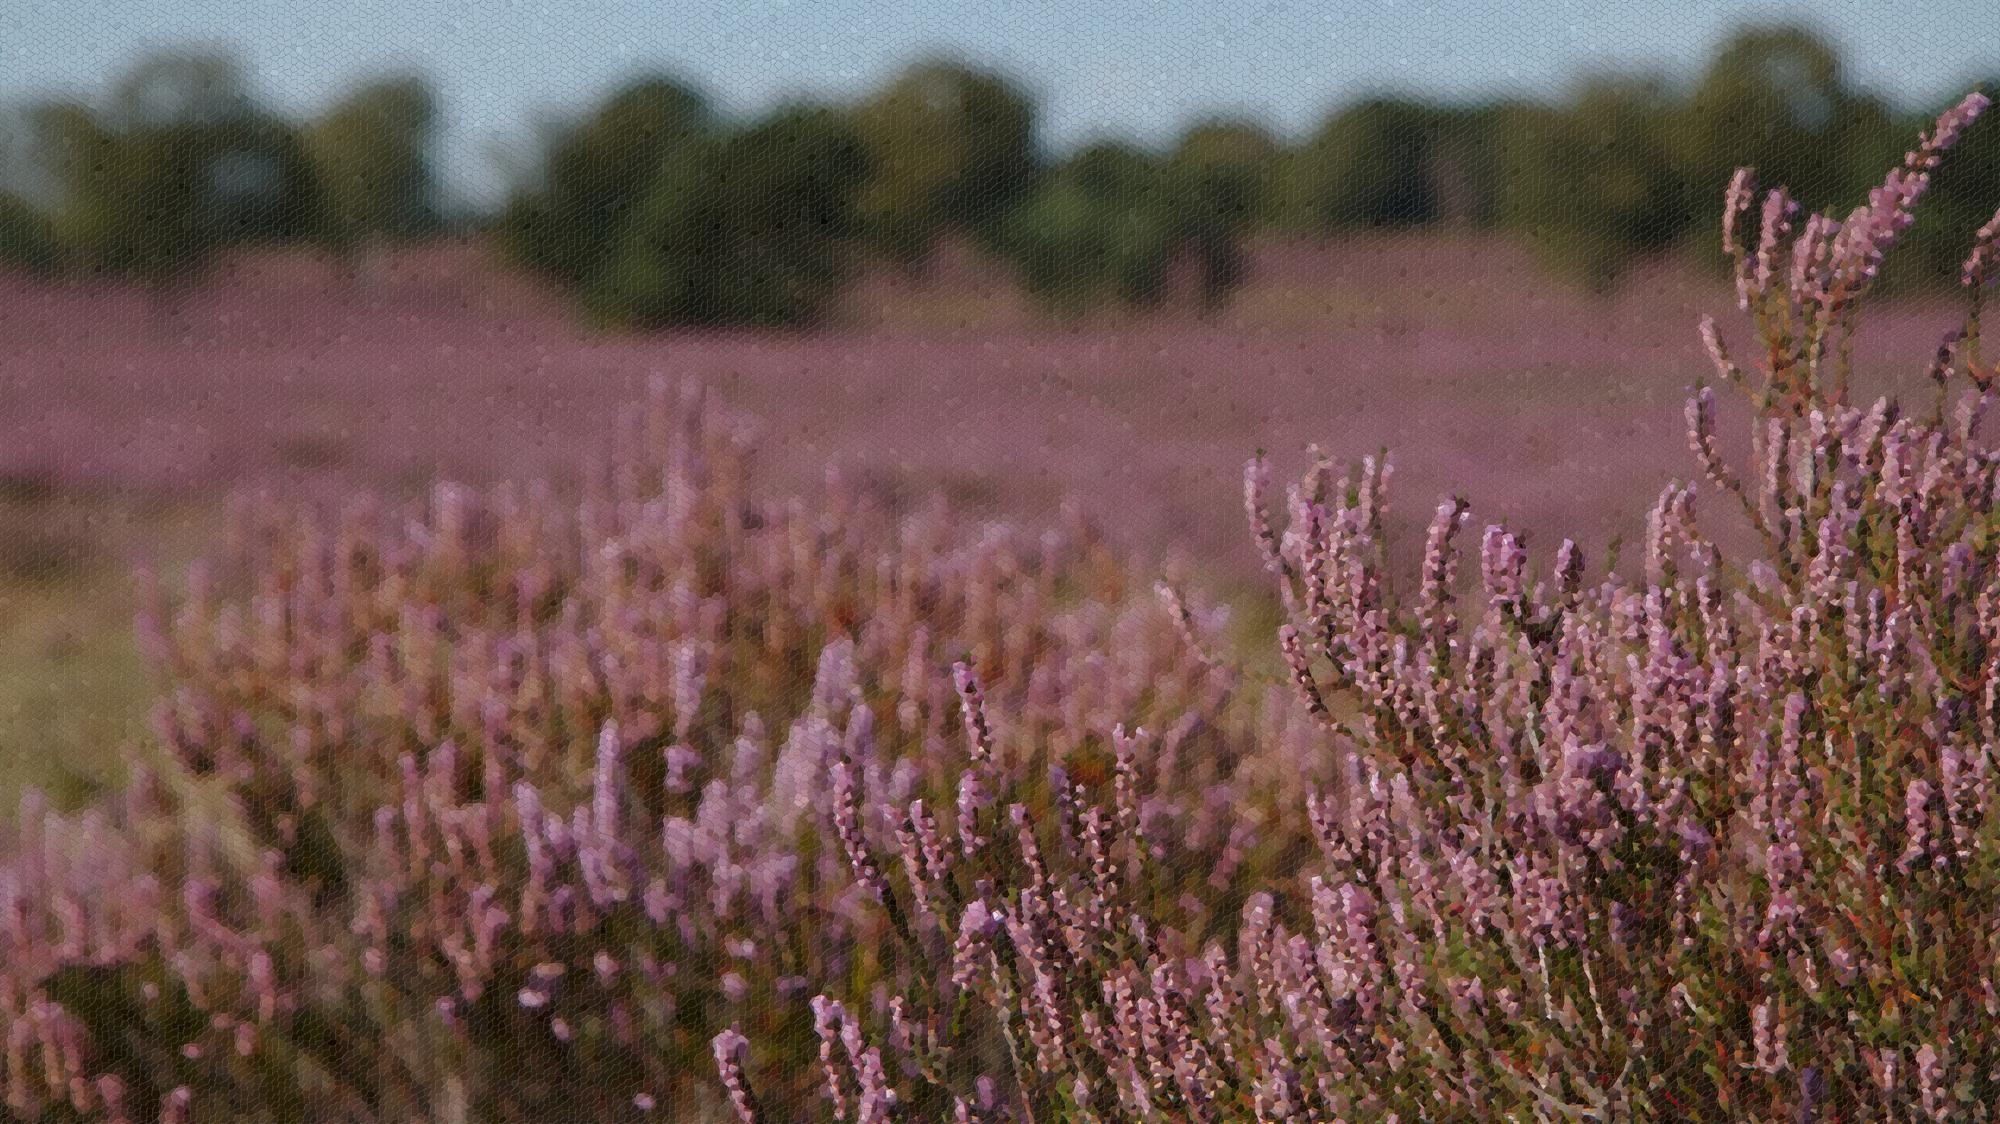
pixel 1440 567
pixel 972 954
pixel 1302 677
pixel 1979 265
pixel 1930 1078
pixel 1775 225
pixel 828 1015
pixel 1125 784
pixel 1569 568
pixel 972 705
pixel 1256 485
pixel 972 799
pixel 1916 823
pixel 847 824
pixel 1735 203
pixel 681 760
pixel 1873 229
pixel 1768 1030
pixel 1810 252
pixel 1503 568
pixel 1953 123
pixel 730 1050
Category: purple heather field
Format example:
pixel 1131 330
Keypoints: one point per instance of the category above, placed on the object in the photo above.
pixel 1552 411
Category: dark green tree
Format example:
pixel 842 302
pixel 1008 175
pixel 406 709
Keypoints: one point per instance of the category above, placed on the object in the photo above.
pixel 1113 221
pixel 27 238
pixel 754 228
pixel 1592 185
pixel 180 164
pixel 372 155
pixel 1239 160
pixel 1463 163
pixel 593 177
pixel 1097 229
pixel 952 149
pixel 1368 166
pixel 1219 187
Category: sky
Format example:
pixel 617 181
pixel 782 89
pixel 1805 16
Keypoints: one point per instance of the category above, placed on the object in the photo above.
pixel 1100 68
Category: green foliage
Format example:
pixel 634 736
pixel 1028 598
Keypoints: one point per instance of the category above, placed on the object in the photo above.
pixel 1775 98
pixel 180 165
pixel 1464 162
pixel 1594 185
pixel 1234 165
pixel 1368 166
pixel 595 176
pixel 27 239
pixel 178 162
pixel 1097 229
pixel 749 229
pixel 1113 221
pixel 1218 187
pixel 371 154
pixel 950 149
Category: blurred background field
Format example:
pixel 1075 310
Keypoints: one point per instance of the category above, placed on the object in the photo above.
pixel 1560 414
pixel 202 293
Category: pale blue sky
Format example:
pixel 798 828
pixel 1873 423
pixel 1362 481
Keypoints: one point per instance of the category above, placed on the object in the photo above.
pixel 1101 67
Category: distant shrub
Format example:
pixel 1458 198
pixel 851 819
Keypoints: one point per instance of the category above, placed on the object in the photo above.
pixel 180 166
pixel 1110 224
pixel 371 155
pixel 751 229
pixel 951 149
pixel 1593 187
pixel 27 239
pixel 1369 166
pixel 567 226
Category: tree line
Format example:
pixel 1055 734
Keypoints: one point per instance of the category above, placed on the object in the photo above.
pixel 655 210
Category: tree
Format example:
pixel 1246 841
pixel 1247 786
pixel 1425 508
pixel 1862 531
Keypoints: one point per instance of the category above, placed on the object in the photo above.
pixel 1775 98
pixel 180 164
pixel 952 148
pixel 372 154
pixel 1219 187
pixel 180 87
pixel 27 240
pixel 1368 166
pixel 27 237
pixel 594 176
pixel 1112 221
pixel 1464 163
pixel 1238 159
pixel 1593 184
pixel 1095 229
pixel 749 229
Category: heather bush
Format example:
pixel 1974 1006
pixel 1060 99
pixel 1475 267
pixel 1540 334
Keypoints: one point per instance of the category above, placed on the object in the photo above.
pixel 1718 843
pixel 511 801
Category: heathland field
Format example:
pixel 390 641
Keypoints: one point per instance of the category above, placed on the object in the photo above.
pixel 1548 409
pixel 893 721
